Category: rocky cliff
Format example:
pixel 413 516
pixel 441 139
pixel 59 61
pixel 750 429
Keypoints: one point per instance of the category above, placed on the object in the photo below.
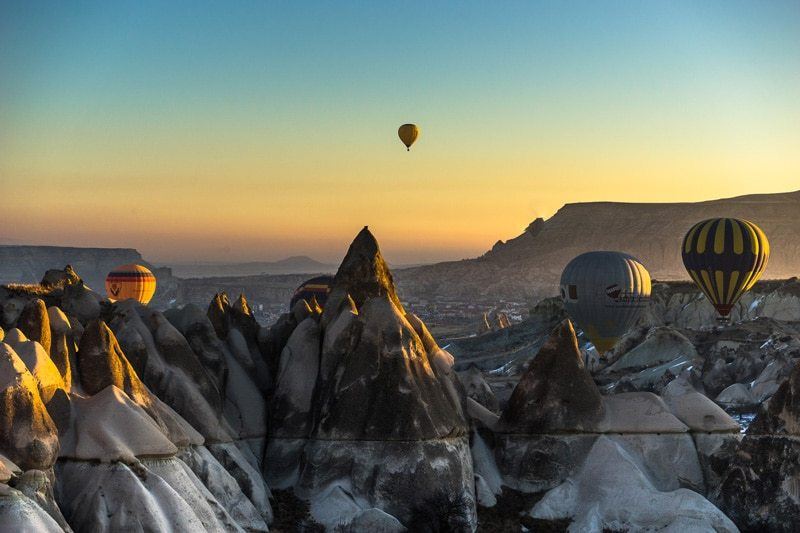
pixel 26 264
pixel 529 266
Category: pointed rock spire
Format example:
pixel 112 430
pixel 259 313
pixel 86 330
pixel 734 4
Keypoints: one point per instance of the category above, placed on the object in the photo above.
pixel 101 362
pixel 364 273
pixel 217 314
pixel 556 393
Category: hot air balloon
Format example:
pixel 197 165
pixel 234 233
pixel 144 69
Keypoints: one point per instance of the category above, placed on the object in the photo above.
pixel 605 293
pixel 408 133
pixel 131 281
pixel 314 288
pixel 725 257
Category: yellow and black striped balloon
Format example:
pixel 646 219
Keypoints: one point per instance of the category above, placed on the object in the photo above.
pixel 725 257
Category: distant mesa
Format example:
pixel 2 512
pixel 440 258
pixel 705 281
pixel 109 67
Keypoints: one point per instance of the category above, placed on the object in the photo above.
pixel 527 268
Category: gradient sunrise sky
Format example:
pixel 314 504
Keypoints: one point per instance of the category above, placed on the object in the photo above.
pixel 258 130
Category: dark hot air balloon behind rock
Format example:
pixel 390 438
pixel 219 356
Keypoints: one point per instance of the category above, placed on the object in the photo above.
pixel 131 281
pixel 725 257
pixel 605 294
pixel 314 288
pixel 408 133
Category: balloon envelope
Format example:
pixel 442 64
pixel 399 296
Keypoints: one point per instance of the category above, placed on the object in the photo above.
pixel 725 257
pixel 408 133
pixel 605 293
pixel 314 288
pixel 131 281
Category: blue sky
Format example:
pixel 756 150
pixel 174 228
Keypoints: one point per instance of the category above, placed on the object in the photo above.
pixel 183 106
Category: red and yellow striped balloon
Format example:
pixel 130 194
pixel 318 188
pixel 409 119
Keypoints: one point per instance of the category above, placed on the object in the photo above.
pixel 131 281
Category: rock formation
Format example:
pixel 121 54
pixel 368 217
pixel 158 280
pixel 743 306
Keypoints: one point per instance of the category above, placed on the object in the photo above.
pixel 366 406
pixel 556 393
pixel 759 486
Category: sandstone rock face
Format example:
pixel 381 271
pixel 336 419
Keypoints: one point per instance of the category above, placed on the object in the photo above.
pixel 38 362
pixel 556 394
pixel 59 278
pixel 28 436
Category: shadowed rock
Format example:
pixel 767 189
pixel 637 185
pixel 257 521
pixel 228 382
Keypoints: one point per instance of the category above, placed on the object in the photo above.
pixel 556 393
pixel 101 363
pixel 196 327
pixel 294 387
pixel 272 340
pixel 363 274
pixel 237 327
pixel 217 314
pixel 377 377
pixel 60 278
pixel 62 346
pixel 34 322
pixel 36 485
pixel 80 301
pixel 760 489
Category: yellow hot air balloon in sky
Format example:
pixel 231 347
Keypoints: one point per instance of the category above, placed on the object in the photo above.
pixel 131 281
pixel 408 133
pixel 725 257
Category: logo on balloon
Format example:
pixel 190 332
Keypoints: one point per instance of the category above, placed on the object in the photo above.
pixel 613 291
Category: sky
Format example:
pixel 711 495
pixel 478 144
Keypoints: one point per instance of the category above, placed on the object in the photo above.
pixel 217 131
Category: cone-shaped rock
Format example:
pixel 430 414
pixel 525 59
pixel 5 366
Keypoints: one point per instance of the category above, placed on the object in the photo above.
pixel 218 314
pixel 556 393
pixel 34 322
pixel 377 380
pixel 242 318
pixel 28 436
pixel 101 362
pixel 363 273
